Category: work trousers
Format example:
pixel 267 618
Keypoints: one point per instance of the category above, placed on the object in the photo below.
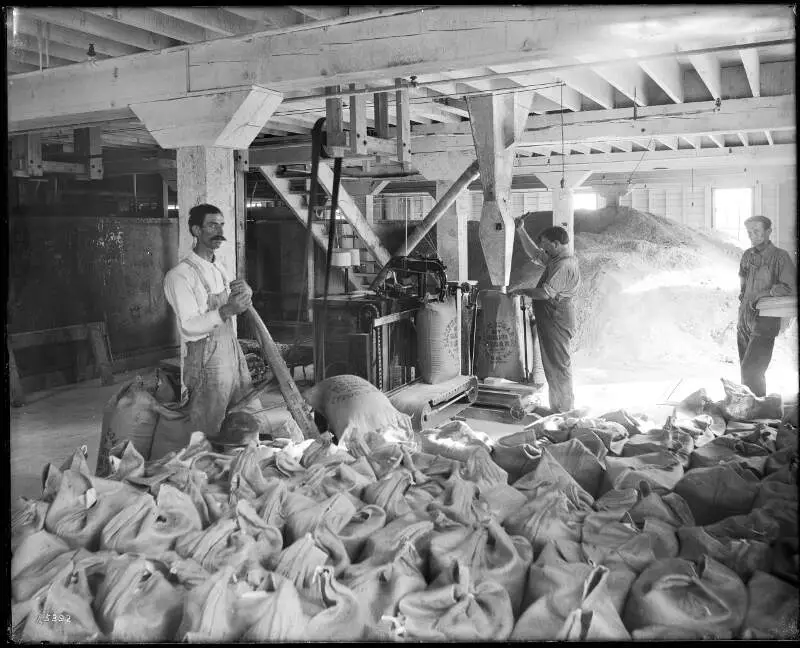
pixel 555 324
pixel 756 340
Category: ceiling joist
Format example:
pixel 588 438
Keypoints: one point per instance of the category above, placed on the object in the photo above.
pixel 214 19
pixel 153 21
pixel 88 23
pixel 666 72
pixel 708 67
pixel 752 68
pixel 76 39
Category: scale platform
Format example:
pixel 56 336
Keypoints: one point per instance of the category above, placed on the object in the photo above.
pixel 422 401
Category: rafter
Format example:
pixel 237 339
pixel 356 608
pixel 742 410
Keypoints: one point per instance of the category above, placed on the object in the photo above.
pixel 683 159
pixel 545 85
pixel 155 22
pixel 626 146
pixel 275 16
pixel 669 142
pixel 647 143
pixel 320 13
pixel 708 67
pixel 666 72
pixel 77 39
pixel 216 19
pixel 18 67
pixel 752 68
pixel 717 138
pixel 354 50
pixel 31 44
pixel 743 139
pixel 591 85
pixel 696 118
pixel 694 140
pixel 769 138
pixel 32 58
pixel 90 24
pixel 628 78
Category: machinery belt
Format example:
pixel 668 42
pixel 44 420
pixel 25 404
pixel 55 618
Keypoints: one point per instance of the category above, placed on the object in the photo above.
pixel 421 401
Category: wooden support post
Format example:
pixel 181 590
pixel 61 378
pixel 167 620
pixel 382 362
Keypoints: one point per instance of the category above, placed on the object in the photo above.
pixel 19 156
pixel 334 124
pixel 205 175
pixel 451 235
pixel 240 167
pixel 164 197
pixel 358 123
pixel 497 124
pixel 369 208
pixel 381 108
pixel 89 144
pixel 33 155
pixel 17 393
pixel 403 120
pixel 98 339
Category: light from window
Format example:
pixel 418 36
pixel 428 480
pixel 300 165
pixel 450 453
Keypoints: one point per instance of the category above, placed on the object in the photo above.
pixel 585 201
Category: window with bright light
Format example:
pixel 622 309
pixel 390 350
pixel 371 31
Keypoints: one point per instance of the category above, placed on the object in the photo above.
pixel 732 207
pixel 585 201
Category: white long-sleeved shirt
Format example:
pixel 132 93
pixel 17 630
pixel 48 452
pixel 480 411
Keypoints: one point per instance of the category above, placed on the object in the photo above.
pixel 188 297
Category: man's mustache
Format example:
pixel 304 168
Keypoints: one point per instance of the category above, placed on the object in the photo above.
pixel 219 238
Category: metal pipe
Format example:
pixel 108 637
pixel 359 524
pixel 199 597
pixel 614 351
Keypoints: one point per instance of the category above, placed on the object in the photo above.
pixel 427 224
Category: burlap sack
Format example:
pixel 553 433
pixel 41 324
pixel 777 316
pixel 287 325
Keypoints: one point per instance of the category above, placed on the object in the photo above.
pixel 350 400
pixel 438 341
pixel 707 597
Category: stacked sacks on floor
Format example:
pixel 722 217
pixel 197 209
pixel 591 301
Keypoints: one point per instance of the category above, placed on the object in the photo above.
pixel 575 528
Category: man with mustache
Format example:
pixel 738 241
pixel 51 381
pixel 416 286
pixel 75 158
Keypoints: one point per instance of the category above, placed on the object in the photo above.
pixel 764 271
pixel 206 303
pixel 553 309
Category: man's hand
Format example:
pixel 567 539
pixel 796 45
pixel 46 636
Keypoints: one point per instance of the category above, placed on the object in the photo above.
pixel 237 304
pixel 240 286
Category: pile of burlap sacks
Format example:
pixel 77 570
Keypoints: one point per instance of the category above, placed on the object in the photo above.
pixel 573 528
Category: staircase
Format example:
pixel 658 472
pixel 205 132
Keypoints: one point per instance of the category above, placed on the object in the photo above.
pixel 295 193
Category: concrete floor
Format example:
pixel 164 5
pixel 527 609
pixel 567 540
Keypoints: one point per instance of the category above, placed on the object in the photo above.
pixel 55 422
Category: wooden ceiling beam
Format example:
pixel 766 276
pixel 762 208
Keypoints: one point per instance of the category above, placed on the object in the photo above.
pixel 66 52
pixel 216 19
pixel 155 22
pixel 355 49
pixel 752 68
pixel 18 67
pixel 629 79
pixel 589 84
pixel 667 73
pixel 78 39
pixel 320 13
pixel 275 16
pixel 32 58
pixel 681 159
pixel 83 21
pixel 708 67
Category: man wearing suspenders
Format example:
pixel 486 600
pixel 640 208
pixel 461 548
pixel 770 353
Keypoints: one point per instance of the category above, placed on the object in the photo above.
pixel 206 302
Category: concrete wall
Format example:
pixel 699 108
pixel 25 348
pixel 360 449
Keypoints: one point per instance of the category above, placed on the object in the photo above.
pixel 66 270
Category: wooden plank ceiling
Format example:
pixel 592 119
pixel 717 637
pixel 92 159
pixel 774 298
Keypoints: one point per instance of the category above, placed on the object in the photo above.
pixel 49 37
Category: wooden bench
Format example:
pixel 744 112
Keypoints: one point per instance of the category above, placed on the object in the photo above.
pixel 94 333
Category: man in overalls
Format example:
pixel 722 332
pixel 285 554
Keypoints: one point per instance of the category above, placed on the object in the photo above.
pixel 764 271
pixel 553 309
pixel 214 369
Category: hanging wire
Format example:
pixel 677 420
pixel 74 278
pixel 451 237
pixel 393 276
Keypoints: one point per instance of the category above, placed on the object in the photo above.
pixel 649 144
pixel 563 161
